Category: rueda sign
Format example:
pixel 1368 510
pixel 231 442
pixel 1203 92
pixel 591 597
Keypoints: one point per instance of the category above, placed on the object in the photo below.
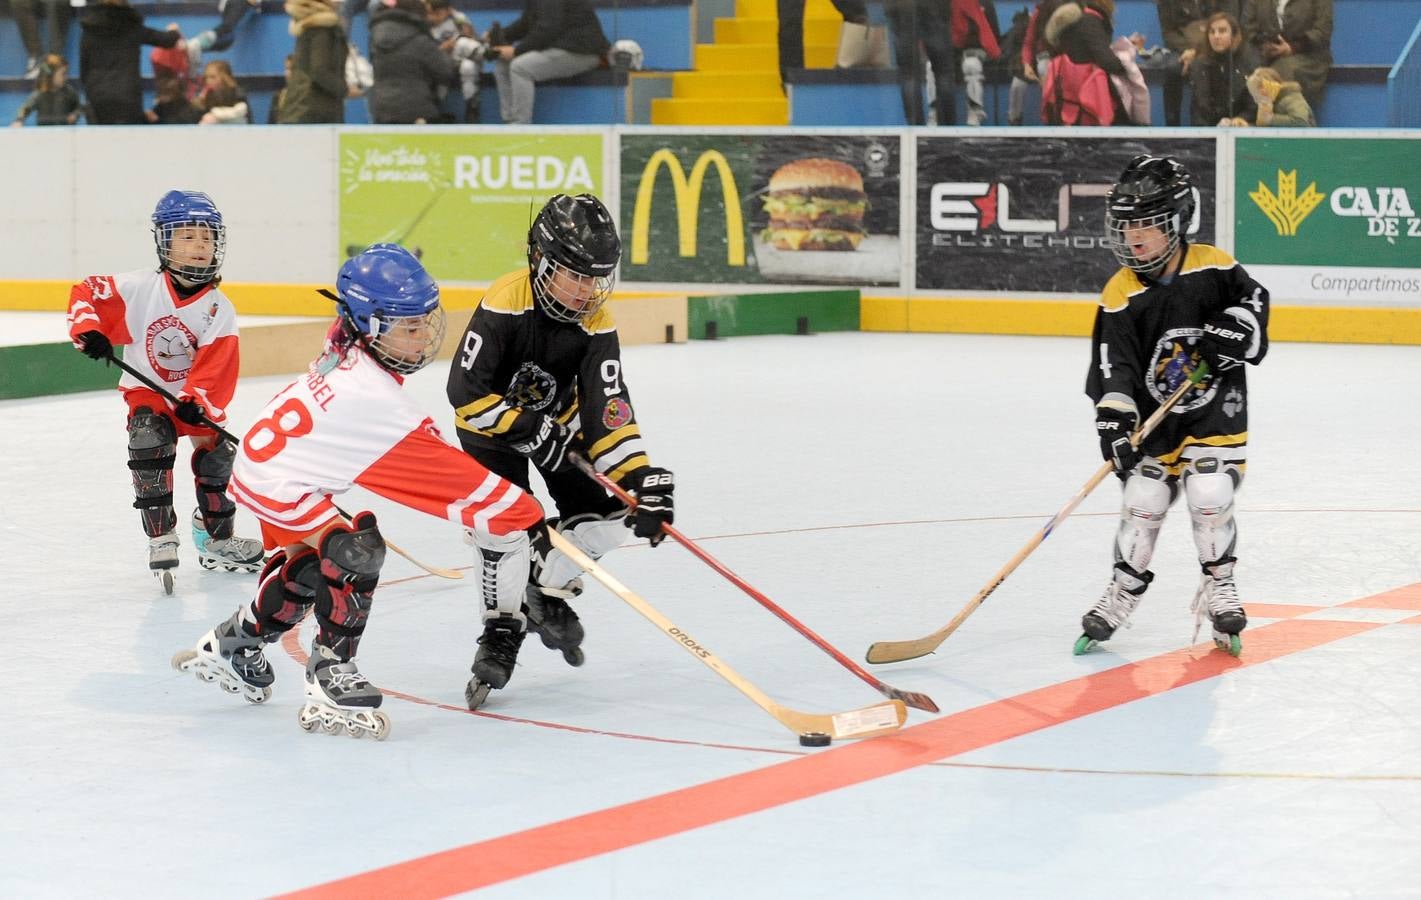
pixel 1331 220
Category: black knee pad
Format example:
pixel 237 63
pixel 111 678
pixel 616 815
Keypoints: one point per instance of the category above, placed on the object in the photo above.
pixel 288 590
pixel 351 558
pixel 212 470
pixel 152 447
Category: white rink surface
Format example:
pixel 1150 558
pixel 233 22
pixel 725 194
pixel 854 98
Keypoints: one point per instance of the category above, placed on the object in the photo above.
pixel 869 484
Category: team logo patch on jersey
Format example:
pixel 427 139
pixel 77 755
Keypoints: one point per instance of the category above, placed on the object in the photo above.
pixel 616 413
pixel 171 348
pixel 531 387
pixel 1173 361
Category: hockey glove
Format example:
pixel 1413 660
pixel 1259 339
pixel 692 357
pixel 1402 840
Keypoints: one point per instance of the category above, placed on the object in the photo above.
pixel 190 411
pixel 1113 426
pixel 94 344
pixel 654 505
pixel 548 448
pixel 1226 340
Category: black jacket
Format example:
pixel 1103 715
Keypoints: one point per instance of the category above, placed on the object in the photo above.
pixel 409 68
pixel 1221 88
pixel 110 44
pixel 569 25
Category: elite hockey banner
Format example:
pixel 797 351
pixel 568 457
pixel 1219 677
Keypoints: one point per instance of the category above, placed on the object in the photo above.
pixel 1027 214
pixel 757 208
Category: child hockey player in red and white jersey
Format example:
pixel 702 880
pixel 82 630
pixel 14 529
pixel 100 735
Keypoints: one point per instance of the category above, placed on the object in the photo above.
pixel 348 421
pixel 1172 304
pixel 182 333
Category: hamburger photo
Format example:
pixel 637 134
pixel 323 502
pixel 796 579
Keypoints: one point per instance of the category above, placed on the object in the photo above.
pixel 815 204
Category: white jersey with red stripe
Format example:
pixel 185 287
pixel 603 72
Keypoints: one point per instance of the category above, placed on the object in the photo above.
pixel 186 344
pixel 348 421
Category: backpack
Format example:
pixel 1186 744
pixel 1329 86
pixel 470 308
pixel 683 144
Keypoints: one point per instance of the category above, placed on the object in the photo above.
pixel 1076 94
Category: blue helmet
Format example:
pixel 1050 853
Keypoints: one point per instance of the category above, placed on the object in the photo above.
pixel 383 288
pixel 194 219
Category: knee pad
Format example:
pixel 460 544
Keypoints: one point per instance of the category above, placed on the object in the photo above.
pixel 504 563
pixel 1147 496
pixel 593 534
pixel 286 593
pixel 152 447
pixel 212 470
pixel 350 559
pixel 1209 490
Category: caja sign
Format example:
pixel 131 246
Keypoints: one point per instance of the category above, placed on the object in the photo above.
pixel 1027 213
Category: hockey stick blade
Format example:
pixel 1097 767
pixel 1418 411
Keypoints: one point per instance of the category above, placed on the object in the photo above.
pixel 857 723
pixel 911 698
pixel 902 651
pixel 226 435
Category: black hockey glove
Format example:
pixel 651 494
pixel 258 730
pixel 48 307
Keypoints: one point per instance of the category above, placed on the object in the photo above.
pixel 1226 340
pixel 190 411
pixel 654 505
pixel 548 447
pixel 95 345
pixel 1113 427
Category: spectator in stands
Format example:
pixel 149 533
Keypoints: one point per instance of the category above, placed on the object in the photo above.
pixel 273 115
pixel 232 12
pixel 222 101
pixel 1295 38
pixel 57 16
pixel 316 90
pixel 975 36
pixel 410 68
pixel 552 39
pixel 54 100
pixel 112 35
pixel 1182 23
pixel 1078 89
pixel 1281 104
pixel 791 28
pixel 920 28
pixel 1035 56
pixel 1218 74
pixel 171 104
pixel 447 25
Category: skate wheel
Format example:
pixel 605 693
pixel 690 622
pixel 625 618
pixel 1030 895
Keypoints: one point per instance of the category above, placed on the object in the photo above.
pixel 1231 644
pixel 574 656
pixel 183 658
pixel 166 577
pixel 229 687
pixel 1084 644
pixel 475 692
pixel 331 726
pixel 262 697
pixel 382 726
pixel 207 676
pixel 307 725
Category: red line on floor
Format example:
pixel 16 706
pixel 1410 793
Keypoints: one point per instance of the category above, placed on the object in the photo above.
pixel 1408 597
pixel 558 843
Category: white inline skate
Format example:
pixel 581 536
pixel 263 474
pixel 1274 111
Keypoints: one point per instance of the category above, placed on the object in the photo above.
pixel 232 659
pixel 339 698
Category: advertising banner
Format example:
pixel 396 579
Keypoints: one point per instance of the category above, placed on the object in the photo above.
pixel 1028 213
pixel 462 202
pixel 749 209
pixel 1331 220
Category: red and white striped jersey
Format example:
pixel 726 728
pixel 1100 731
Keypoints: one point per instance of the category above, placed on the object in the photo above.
pixel 188 345
pixel 348 421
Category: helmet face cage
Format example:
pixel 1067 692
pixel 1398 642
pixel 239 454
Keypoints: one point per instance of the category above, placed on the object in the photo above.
pixel 1151 206
pixel 191 236
pixel 404 344
pixel 1122 232
pixel 390 304
pixel 573 252
pixel 566 294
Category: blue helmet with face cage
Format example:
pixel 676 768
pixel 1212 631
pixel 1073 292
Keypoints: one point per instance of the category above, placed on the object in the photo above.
pixel 189 214
pixel 382 288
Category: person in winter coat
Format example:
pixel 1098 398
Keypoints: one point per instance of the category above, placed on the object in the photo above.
pixel 54 100
pixel 974 35
pixel 1077 90
pixel 316 91
pixel 1281 104
pixel 409 66
pixel 1219 74
pixel 110 41
pixel 921 35
pixel 1299 46
pixel 552 39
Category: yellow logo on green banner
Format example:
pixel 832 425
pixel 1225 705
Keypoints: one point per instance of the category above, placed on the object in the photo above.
pixel 1287 208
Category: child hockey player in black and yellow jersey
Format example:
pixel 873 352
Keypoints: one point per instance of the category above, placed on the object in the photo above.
pixel 1172 305
pixel 539 373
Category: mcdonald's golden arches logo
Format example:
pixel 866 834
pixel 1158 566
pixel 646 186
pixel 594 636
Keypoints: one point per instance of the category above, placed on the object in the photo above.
pixel 1287 209
pixel 688 205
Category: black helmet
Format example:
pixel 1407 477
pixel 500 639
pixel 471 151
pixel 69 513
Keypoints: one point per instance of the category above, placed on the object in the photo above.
pixel 573 252
pixel 1153 192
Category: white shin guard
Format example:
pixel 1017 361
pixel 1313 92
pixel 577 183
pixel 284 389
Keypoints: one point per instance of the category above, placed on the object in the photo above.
pixel 504 563
pixel 1141 515
pixel 592 534
pixel 1210 496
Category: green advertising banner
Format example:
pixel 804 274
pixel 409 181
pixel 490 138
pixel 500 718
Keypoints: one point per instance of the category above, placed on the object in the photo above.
pixel 462 202
pixel 1328 202
pixel 752 209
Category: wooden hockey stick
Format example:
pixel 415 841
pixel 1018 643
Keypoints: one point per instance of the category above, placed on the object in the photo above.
pixel 452 574
pixel 912 698
pixel 857 723
pixel 899 651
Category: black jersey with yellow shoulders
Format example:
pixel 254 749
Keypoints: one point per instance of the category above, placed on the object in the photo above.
pixel 1145 331
pixel 515 365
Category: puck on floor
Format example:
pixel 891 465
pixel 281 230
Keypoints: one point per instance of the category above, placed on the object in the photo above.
pixel 814 739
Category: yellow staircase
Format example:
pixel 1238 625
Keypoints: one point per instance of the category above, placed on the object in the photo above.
pixel 736 80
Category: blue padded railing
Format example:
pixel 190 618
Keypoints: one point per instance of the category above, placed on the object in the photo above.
pixel 1403 85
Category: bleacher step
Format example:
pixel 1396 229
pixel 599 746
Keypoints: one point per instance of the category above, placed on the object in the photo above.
pixel 758 57
pixel 766 31
pixel 769 9
pixel 672 111
pixel 727 85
